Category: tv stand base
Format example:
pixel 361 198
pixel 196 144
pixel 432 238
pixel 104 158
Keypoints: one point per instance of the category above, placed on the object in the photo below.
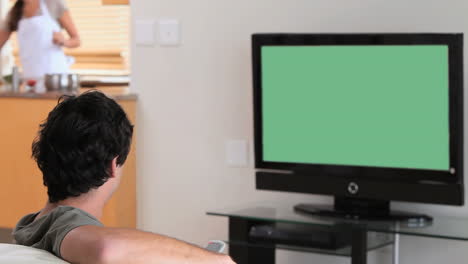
pixel 331 211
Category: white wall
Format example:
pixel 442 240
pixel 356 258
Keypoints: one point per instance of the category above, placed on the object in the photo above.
pixel 196 96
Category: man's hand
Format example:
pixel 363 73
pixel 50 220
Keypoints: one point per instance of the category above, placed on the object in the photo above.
pixel 58 39
pixel 227 260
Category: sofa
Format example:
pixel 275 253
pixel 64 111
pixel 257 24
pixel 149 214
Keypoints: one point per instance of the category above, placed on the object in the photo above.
pixel 16 254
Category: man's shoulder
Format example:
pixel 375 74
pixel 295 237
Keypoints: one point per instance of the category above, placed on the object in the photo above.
pixel 48 231
pixel 26 220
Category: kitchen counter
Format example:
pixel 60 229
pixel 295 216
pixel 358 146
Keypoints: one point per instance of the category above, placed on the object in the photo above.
pixel 118 93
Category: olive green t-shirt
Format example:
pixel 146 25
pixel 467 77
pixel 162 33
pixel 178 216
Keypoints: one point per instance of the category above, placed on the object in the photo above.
pixel 48 231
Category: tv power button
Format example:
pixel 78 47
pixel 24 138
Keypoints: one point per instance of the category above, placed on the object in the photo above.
pixel 353 188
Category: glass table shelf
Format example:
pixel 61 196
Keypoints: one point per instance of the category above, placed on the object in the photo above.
pixel 440 227
pixel 365 235
pixel 375 241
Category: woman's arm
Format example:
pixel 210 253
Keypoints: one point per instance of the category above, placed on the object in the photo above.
pixel 67 23
pixel 4 36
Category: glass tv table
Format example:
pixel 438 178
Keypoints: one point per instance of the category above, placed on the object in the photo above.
pixel 361 235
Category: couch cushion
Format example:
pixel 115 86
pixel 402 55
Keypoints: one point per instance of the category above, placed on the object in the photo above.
pixel 16 254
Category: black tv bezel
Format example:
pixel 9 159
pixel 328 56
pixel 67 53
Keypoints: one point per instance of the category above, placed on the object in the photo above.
pixel 378 178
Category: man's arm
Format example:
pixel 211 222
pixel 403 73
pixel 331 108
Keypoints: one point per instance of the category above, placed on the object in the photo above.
pixel 93 244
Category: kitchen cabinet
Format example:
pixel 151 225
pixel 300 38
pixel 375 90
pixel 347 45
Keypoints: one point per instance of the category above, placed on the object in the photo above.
pixel 115 2
pixel 21 188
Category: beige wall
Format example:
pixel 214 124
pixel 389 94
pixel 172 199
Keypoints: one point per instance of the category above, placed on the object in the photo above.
pixel 196 96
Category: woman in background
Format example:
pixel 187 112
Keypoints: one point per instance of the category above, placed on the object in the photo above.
pixel 38 24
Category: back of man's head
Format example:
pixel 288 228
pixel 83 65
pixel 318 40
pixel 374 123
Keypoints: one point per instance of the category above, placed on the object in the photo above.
pixel 77 143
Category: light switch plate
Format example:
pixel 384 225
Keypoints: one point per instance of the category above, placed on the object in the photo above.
pixel 145 32
pixel 237 153
pixel 169 32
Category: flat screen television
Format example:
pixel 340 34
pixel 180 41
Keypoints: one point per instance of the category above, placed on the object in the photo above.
pixel 366 118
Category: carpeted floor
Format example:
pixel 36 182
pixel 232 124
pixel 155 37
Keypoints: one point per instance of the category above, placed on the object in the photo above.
pixel 5 235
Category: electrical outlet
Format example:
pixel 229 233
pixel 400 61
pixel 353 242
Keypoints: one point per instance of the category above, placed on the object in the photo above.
pixel 169 32
pixel 237 153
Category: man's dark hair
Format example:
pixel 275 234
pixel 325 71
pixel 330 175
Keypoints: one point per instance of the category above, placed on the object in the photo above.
pixel 75 146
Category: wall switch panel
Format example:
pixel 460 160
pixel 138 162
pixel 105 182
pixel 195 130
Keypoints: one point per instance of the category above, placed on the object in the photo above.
pixel 169 32
pixel 145 32
pixel 237 153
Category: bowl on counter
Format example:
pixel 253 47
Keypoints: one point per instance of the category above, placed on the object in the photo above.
pixel 62 82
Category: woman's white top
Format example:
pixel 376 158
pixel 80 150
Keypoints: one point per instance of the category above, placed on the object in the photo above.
pixel 38 54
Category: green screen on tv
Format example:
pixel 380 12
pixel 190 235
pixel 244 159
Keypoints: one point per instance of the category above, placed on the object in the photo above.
pixel 379 106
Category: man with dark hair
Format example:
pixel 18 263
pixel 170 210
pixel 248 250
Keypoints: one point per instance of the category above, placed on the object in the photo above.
pixel 81 149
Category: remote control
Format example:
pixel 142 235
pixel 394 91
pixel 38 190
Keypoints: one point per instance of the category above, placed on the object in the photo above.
pixel 217 246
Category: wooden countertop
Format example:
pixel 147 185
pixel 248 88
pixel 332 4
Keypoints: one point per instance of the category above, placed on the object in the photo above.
pixel 118 93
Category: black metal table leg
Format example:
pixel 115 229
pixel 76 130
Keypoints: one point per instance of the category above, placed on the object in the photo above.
pixel 359 246
pixel 239 250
